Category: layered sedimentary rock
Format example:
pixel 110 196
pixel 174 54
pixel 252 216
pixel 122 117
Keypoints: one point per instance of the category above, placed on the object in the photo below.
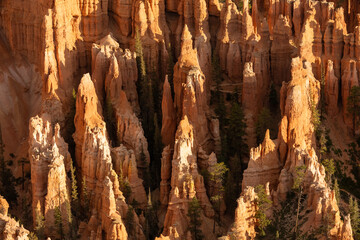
pixel 301 93
pixel 282 49
pixel 264 165
pixel 331 90
pixel 294 148
pixel 88 113
pixel 245 222
pixel 334 42
pixel 96 167
pixel 49 158
pixel 20 90
pixel 349 79
pixel 109 59
pixel 186 182
pixel 56 41
pixel 194 15
pixel 115 74
pixel 165 175
pixel 168 127
pixel 190 92
pixel 149 25
pixel 9 228
pixel 228 37
pixel 249 101
pixel 124 163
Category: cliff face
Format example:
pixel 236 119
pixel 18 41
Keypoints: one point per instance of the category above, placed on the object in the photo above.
pixel 70 83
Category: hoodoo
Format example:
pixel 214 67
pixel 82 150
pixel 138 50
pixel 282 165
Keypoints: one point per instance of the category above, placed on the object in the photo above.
pixel 179 119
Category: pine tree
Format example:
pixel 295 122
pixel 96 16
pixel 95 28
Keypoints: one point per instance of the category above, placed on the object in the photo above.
pixel 39 224
pixel 58 222
pixel 354 216
pixel 263 123
pixel 330 169
pixel 353 105
pixel 7 179
pixel 337 191
pixel 273 99
pixel 74 192
pixel 23 161
pixel 85 199
pixel 315 115
pixel 156 156
pixel 217 176
pixel 195 219
pixel 151 219
pixel 129 221
pixel 236 130
pixel 298 187
pixel 109 115
pixel 263 204
pixel 32 236
pixel 170 70
pixel 125 189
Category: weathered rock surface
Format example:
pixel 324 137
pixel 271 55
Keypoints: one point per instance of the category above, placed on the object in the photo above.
pixel 9 228
pixel 331 90
pixel 88 114
pixel 264 165
pixel 149 22
pixel 110 61
pixel 165 175
pixel 115 74
pixel 190 92
pixel 49 158
pixel 249 101
pixel 168 115
pixel 46 47
pixel 106 200
pixel 186 182
pixel 245 222
pixel 124 164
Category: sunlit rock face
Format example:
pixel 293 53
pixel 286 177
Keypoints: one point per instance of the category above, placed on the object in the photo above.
pixel 69 91
pixel 49 158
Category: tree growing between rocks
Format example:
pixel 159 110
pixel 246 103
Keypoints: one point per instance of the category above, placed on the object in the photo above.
pixel 7 179
pixel 39 224
pixel 298 188
pixel 353 105
pixel 129 221
pixel 354 217
pixel 217 177
pixel 263 204
pixel 263 123
pixel 58 222
pixel 195 219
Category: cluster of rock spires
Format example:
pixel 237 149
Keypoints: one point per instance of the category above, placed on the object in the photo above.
pixel 54 48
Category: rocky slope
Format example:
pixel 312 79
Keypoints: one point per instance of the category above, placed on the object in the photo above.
pixel 136 96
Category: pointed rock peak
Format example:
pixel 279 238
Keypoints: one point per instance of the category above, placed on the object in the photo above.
pixel 340 20
pixel 330 65
pixel 267 135
pixel 166 87
pixel 185 129
pixel 108 40
pixel 86 84
pixel 57 130
pixel 248 71
pixel 186 35
pixel 268 145
pixel 184 123
pixel 246 6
